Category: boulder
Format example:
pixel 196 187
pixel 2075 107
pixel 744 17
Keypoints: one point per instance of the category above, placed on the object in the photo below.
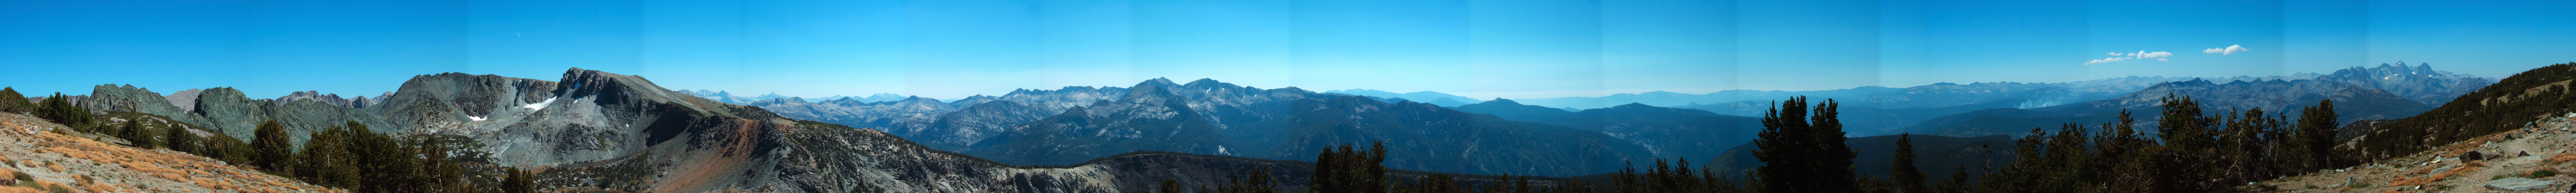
pixel 2472 155
pixel 2517 184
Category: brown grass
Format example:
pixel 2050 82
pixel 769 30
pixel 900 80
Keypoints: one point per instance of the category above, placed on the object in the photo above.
pixel 2464 169
pixel 15 189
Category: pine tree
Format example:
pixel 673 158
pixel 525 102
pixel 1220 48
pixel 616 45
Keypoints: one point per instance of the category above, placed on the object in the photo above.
pixel 1350 169
pixel 13 102
pixel 1958 181
pixel 2316 133
pixel 2184 161
pixel 518 181
pixel 270 148
pixel 1902 171
pixel 179 139
pixel 1803 153
pixel 132 132
pixel 440 171
pixel 231 150
pixel 60 110
pixel 383 158
pixel 1170 186
pixel 326 160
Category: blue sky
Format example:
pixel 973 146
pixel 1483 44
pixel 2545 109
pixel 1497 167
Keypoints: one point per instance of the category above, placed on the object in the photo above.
pixel 1484 49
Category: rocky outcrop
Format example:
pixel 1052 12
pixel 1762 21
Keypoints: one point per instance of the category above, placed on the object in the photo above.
pixel 332 99
pixel 185 99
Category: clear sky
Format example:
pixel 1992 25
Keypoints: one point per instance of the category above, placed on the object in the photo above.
pixel 1479 48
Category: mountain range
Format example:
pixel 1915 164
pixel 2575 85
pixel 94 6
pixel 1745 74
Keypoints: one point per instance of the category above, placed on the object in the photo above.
pixel 1435 98
pixel 2353 102
pixel 627 134
pixel 1088 139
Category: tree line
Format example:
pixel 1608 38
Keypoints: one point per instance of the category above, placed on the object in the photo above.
pixel 1803 150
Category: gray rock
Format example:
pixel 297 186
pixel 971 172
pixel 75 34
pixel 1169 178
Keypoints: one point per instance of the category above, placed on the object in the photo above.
pixel 2444 169
pixel 2517 184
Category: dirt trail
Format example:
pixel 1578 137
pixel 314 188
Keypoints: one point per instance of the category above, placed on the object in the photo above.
pixel 77 163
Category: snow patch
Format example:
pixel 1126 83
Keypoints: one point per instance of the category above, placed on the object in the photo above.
pixel 1220 150
pixel 475 118
pixel 540 105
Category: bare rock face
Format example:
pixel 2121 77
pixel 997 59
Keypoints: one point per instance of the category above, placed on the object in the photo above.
pixel 2517 184
pixel 333 99
pixel 185 99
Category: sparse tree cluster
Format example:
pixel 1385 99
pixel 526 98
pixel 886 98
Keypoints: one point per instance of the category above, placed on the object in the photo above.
pixel 1802 152
pixel 2192 153
pixel 1351 170
pixel 59 109
pixel 12 102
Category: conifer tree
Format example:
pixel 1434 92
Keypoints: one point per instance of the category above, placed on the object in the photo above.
pixel 1170 186
pixel 179 139
pixel 1350 169
pixel 270 148
pixel 1803 153
pixel 1902 171
pixel 2316 133
pixel 383 158
pixel 2184 161
pixel 326 160
pixel 518 181
pixel 1958 181
pixel 60 110
pixel 13 102
pixel 126 132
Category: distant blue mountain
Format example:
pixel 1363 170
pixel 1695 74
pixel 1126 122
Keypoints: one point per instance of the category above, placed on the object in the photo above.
pixel 1926 96
pixel 1419 96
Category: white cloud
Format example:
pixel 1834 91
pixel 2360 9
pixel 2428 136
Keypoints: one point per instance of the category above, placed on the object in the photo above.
pixel 2230 49
pixel 2105 60
pixel 2141 54
pixel 2145 54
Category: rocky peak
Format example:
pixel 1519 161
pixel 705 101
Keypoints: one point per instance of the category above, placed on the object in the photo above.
pixel 186 100
pixel 317 96
pixel 2419 83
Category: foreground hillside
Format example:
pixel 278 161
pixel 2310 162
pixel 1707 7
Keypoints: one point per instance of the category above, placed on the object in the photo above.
pixel 2534 155
pixel 76 163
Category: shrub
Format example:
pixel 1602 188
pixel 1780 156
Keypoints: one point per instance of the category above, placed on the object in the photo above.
pixel 22 176
pixel 2544 173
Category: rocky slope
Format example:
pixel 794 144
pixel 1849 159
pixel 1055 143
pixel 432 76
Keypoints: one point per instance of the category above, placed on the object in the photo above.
pixel 2512 154
pixel 76 163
